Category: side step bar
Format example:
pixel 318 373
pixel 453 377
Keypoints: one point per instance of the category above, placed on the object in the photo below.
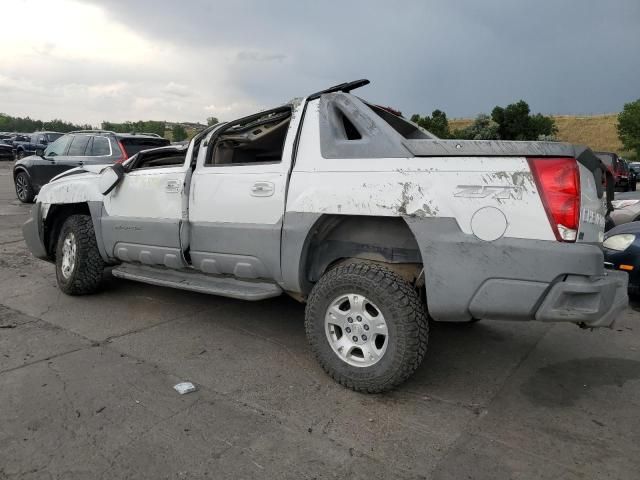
pixel 198 282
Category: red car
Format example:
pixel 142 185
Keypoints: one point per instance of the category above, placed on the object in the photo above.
pixel 619 169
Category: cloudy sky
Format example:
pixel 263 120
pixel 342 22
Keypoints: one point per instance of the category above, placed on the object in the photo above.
pixel 185 60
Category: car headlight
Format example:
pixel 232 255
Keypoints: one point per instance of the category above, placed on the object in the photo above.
pixel 619 242
pixel 619 204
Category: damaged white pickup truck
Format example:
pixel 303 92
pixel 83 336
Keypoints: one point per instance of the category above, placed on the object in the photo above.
pixel 373 222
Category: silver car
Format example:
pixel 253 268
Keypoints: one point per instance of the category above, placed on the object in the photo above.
pixel 626 208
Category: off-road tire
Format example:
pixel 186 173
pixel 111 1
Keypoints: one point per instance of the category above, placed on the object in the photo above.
pixel 86 276
pixel 24 189
pixel 404 313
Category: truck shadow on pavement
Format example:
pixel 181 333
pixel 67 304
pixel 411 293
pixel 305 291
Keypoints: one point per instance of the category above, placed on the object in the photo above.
pixel 466 364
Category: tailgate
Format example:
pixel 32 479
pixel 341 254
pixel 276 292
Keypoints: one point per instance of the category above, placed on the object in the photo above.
pixel 595 197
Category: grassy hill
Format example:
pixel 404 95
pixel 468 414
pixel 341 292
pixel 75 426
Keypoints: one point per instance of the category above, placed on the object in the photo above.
pixel 597 131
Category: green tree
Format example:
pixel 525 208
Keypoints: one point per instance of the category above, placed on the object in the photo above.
pixel 542 127
pixel 516 123
pixel 212 121
pixel 629 127
pixel 178 133
pixel 482 128
pixel 437 123
pixel 9 123
pixel 149 126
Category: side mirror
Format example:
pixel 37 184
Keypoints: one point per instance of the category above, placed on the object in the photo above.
pixel 110 177
pixel 40 152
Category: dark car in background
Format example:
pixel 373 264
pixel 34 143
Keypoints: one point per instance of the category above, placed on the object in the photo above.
pixel 85 147
pixel 618 168
pixel 621 248
pixel 12 138
pixel 634 170
pixel 34 141
pixel 6 152
pixel 632 177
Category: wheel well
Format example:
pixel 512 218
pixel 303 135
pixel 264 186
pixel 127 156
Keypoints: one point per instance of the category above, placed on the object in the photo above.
pixel 17 170
pixel 338 238
pixel 56 216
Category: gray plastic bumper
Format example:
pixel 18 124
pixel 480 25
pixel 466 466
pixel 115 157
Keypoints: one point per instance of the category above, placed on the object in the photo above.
pixel 32 232
pixel 515 279
pixel 596 302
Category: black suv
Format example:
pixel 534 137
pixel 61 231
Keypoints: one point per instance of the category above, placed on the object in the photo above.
pixel 75 149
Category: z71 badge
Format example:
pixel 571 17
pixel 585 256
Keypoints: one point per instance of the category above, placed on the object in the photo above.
pixel 501 192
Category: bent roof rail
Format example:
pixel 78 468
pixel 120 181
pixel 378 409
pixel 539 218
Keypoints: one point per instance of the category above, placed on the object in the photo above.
pixel 93 131
pixel 343 87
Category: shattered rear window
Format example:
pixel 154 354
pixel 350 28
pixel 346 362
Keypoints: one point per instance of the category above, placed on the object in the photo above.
pixel 407 129
pixel 134 145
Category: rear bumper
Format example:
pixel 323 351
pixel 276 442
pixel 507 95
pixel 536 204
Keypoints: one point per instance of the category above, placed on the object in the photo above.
pixel 33 234
pixel 515 279
pixel 596 302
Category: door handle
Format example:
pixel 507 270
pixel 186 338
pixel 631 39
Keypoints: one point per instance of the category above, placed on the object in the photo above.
pixel 262 189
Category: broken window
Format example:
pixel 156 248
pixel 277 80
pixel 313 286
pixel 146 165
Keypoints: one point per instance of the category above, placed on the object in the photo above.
pixel 407 129
pixel 350 130
pixel 170 157
pixel 256 139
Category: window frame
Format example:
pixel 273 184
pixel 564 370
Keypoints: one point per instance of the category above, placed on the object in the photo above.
pixel 93 140
pixel 210 154
pixel 84 153
pixel 64 152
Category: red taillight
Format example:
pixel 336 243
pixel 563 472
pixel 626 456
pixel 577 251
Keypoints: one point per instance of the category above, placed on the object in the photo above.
pixel 124 153
pixel 558 181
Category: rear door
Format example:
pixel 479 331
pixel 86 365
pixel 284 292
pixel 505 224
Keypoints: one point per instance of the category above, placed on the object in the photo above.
pixel 101 150
pixel 236 212
pixel 75 156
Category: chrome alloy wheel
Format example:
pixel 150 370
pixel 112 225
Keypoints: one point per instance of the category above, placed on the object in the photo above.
pixel 22 186
pixel 69 250
pixel 356 330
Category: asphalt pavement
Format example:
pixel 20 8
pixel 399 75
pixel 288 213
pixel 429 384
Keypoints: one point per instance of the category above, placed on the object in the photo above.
pixel 86 390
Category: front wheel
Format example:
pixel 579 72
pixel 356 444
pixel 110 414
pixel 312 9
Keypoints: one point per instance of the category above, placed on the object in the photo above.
pixel 24 189
pixel 79 266
pixel 366 326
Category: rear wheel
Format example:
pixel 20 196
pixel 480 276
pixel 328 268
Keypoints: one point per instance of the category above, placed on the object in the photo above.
pixel 367 327
pixel 20 154
pixel 79 266
pixel 24 189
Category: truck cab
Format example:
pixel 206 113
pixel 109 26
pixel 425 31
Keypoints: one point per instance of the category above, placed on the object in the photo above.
pixel 37 140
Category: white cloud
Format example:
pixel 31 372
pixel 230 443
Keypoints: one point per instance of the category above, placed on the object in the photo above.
pixel 177 89
pixel 259 56
pixel 76 63
pixel 94 60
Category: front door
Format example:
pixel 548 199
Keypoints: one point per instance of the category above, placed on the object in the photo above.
pixel 51 162
pixel 142 217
